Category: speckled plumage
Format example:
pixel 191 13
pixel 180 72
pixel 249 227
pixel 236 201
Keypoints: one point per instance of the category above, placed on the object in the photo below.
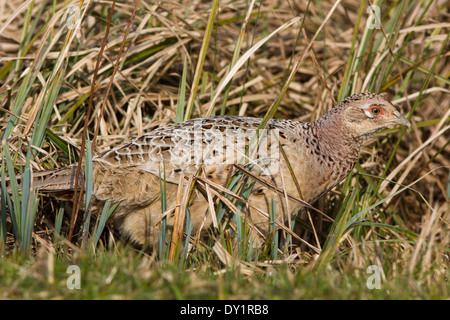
pixel 321 154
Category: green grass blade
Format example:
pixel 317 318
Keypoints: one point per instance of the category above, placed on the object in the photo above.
pixel 163 247
pixel 22 94
pixel 89 184
pixel 201 60
pixel 237 50
pixel 104 216
pixel 188 231
pixel 58 223
pixel 47 109
pixel 179 115
pixel 338 229
pixel 15 206
pixel 27 216
pixel 3 200
pixel 273 230
pixel 89 174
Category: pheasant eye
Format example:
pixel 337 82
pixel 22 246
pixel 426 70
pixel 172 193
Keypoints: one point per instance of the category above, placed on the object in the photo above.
pixel 375 110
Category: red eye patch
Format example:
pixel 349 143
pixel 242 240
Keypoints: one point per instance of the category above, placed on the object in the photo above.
pixel 376 110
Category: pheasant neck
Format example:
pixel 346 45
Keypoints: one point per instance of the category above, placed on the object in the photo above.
pixel 335 141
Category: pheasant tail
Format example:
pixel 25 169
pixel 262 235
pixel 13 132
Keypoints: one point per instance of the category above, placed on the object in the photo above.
pixel 56 181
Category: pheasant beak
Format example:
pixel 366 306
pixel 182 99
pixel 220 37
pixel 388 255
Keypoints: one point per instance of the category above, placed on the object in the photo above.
pixel 401 120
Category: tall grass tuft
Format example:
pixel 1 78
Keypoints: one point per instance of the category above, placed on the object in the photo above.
pixel 164 62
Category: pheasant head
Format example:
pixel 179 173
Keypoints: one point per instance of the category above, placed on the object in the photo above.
pixel 362 115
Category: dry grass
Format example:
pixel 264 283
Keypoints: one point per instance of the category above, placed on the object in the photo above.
pixel 47 70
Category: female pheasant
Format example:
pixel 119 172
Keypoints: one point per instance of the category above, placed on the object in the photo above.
pixel 302 159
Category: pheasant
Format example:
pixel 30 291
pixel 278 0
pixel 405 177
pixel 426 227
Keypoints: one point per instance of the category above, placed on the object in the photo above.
pixel 293 163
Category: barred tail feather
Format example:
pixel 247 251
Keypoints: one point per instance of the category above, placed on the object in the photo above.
pixel 53 181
